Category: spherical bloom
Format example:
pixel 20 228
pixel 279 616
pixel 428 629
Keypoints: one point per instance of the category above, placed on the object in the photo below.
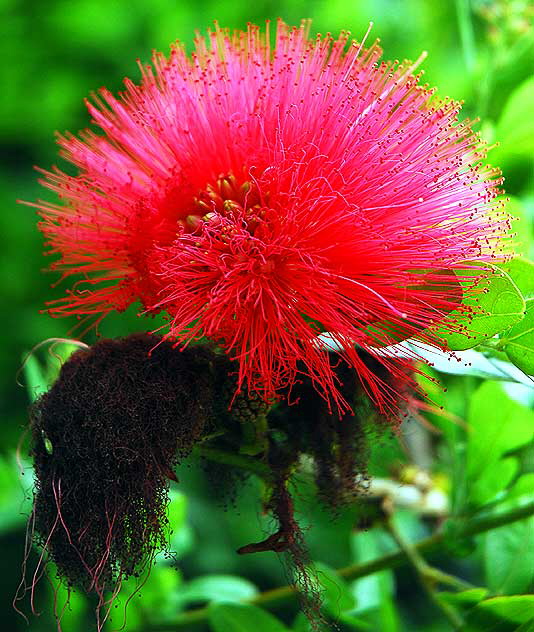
pixel 259 196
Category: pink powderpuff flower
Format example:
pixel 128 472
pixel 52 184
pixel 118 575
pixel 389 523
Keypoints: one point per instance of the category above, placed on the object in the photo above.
pixel 259 195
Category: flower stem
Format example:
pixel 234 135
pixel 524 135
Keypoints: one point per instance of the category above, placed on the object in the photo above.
pixel 284 594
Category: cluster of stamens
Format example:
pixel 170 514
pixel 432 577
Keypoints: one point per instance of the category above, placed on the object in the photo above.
pixel 229 199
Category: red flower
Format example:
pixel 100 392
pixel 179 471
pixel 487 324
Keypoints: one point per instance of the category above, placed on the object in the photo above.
pixel 260 196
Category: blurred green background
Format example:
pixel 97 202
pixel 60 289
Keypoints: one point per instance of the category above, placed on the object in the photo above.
pixel 55 53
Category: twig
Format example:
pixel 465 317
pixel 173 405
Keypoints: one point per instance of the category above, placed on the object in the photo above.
pixel 428 576
pixel 285 594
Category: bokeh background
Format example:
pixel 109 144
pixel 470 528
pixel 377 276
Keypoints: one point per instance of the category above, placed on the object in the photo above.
pixel 54 53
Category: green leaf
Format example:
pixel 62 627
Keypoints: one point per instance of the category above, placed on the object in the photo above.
pixel 522 488
pixel 370 591
pixel 182 537
pixel 231 617
pixel 35 379
pixel 496 424
pixel 74 607
pixel 353 622
pixel 217 588
pixel 518 342
pixel 336 594
pixel 443 282
pixel 302 624
pixel 515 128
pixel 509 557
pixel 374 593
pixel 15 503
pixel 177 509
pixel 493 480
pixel 71 602
pixel 58 353
pixel 466 598
pixel 495 305
pixel 155 593
pixel 500 614
pixel 39 378
pixel 521 271
pixel 385 332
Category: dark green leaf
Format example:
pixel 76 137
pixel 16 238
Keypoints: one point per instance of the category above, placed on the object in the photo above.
pixel 302 624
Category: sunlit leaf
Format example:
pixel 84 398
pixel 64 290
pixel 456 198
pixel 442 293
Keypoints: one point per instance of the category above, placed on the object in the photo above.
pixel 496 306
pixel 182 537
pixel 15 505
pixel 521 271
pixel 523 487
pixel 500 614
pixel 515 128
pixel 441 282
pixel 35 378
pixel 466 598
pixel 40 376
pixel 518 342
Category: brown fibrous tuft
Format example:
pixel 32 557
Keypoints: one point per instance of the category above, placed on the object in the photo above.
pixel 105 441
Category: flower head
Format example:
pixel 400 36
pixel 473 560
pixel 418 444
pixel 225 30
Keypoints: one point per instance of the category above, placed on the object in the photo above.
pixel 259 196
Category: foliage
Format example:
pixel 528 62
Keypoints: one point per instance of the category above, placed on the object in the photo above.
pixel 469 466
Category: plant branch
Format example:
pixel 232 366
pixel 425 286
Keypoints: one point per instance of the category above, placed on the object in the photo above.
pixel 284 594
pixel 428 576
